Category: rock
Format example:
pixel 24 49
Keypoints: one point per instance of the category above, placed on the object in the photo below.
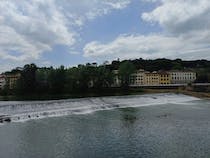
pixel 7 120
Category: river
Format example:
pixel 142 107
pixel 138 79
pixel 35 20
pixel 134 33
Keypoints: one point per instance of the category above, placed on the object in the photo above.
pixel 139 126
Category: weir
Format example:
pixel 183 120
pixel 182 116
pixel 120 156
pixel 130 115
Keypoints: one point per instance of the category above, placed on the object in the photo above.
pixel 26 110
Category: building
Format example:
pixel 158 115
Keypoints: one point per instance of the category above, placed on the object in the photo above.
pixel 117 81
pixel 2 81
pixel 161 78
pixel 11 80
pixel 152 79
pixel 164 77
pixel 182 77
pixel 137 78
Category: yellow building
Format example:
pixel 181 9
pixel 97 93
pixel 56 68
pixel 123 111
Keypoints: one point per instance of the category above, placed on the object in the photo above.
pixel 164 78
pixel 152 79
pixel 11 80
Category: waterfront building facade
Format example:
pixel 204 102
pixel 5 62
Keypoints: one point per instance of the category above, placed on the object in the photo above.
pixel 164 77
pixel 152 79
pixel 160 78
pixel 137 78
pixel 181 77
pixel 11 80
pixel 2 81
pixel 117 81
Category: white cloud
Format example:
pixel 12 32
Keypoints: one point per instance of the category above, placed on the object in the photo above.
pixel 102 7
pixel 74 52
pixel 178 16
pixel 186 34
pixel 151 46
pixel 118 5
pixel 30 27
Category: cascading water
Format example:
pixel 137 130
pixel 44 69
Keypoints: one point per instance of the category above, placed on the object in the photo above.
pixel 21 111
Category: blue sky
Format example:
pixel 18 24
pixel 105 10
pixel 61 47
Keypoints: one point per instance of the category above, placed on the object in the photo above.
pixel 69 32
pixel 105 28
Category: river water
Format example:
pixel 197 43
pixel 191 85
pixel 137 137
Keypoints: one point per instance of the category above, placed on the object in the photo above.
pixel 145 126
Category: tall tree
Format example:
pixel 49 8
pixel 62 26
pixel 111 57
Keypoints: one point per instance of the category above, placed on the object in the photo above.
pixel 27 82
pixel 56 79
pixel 125 70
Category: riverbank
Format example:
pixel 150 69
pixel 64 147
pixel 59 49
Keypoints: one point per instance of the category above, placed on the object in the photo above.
pixel 204 95
pixel 90 93
pixel 108 92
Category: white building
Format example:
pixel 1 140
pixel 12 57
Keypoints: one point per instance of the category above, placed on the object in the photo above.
pixel 2 81
pixel 181 77
pixel 137 78
pixel 117 81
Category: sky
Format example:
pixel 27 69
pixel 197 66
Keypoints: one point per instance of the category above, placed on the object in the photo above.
pixel 72 32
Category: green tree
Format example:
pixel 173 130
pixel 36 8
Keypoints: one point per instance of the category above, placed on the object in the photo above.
pixel 42 85
pixel 100 77
pixel 27 82
pixel 56 79
pixel 125 70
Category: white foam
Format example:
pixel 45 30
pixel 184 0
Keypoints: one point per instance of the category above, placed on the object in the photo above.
pixel 26 110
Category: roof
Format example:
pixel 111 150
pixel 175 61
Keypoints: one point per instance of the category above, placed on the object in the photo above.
pixel 163 73
pixel 176 71
pixel 2 76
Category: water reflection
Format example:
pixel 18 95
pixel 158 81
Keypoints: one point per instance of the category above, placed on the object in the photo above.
pixel 129 115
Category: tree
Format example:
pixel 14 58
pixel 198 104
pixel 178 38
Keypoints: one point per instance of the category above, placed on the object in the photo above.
pixel 125 70
pixel 42 85
pixel 56 79
pixel 27 82
pixel 202 77
pixel 102 78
